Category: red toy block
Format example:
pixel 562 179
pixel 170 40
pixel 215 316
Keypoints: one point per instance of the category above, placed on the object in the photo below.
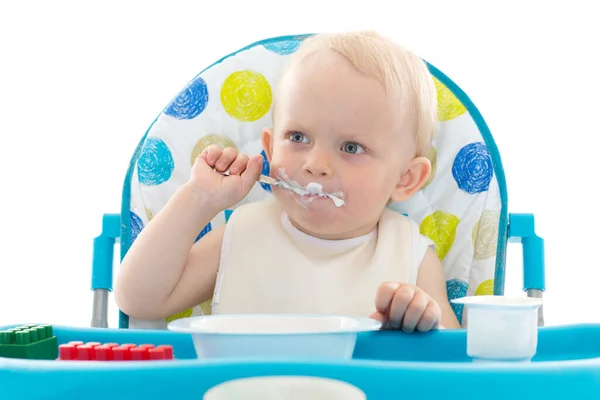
pixel 96 351
pixel 139 354
pixel 67 352
pixel 85 352
pixel 103 353
pixel 157 354
pixel 121 353
pixel 168 351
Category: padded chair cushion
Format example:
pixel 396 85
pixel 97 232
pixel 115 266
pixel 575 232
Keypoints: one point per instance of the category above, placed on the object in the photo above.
pixel 462 208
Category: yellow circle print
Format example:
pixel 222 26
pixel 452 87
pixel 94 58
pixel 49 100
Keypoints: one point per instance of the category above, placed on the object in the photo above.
pixel 449 107
pixel 184 314
pixel 206 307
pixel 206 141
pixel 246 95
pixel 441 228
pixel 485 288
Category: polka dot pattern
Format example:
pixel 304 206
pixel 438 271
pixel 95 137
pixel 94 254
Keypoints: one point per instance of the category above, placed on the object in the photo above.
pixel 283 48
pixel 136 225
pixel 230 103
pixel 156 163
pixel 190 102
pixel 485 288
pixel 485 235
pixel 441 228
pixel 206 307
pixel 456 289
pixel 246 95
pixel 204 231
pixel 449 106
pixel 184 314
pixel 472 168
pixel 209 140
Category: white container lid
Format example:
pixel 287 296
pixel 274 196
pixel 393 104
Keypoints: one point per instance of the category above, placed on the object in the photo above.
pixel 273 324
pixel 499 302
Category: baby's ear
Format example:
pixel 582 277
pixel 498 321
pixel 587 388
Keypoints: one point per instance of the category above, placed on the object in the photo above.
pixel 267 142
pixel 412 180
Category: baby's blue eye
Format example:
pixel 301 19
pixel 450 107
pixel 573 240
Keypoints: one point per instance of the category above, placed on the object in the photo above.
pixel 352 148
pixel 298 137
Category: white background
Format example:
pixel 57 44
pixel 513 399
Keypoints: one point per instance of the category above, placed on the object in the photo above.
pixel 80 82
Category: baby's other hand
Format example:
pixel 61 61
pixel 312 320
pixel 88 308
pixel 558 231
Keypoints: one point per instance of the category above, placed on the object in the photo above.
pixel 225 191
pixel 407 307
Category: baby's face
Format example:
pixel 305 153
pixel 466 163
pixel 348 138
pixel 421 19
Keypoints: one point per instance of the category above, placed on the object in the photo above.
pixel 336 127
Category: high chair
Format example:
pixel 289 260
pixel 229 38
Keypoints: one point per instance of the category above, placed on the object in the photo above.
pixel 463 208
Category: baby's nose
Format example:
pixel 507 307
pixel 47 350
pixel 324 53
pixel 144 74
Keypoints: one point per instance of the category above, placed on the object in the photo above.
pixel 318 165
pixel 315 170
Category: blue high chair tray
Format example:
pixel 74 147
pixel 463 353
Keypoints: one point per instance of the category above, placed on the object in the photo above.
pixel 385 365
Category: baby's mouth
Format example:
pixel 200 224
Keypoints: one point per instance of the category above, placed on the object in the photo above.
pixel 311 191
pixel 313 196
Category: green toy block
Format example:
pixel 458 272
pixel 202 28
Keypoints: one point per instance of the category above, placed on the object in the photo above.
pixel 32 342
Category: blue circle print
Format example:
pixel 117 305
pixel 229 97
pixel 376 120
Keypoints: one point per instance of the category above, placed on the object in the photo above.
pixel 456 289
pixel 204 231
pixel 136 225
pixel 283 48
pixel 190 102
pixel 266 170
pixel 472 169
pixel 155 164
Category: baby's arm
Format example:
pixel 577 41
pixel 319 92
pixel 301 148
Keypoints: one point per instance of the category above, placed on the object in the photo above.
pixel 431 279
pixel 164 272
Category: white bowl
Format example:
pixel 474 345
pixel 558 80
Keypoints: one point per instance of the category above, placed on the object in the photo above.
pixel 285 388
pixel 501 328
pixel 274 336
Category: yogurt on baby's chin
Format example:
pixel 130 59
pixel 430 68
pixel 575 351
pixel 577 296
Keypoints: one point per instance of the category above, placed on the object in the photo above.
pixel 314 188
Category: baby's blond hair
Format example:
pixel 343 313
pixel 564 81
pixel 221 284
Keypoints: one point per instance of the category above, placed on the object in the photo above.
pixel 403 74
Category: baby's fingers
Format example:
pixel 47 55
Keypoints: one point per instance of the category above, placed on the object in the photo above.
pixel 430 318
pixel 383 318
pixel 226 158
pixel 251 172
pixel 403 297
pixel 415 311
pixel 384 296
pixel 211 154
pixel 377 316
pixel 239 164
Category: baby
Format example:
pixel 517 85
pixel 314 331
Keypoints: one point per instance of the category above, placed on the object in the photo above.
pixel 353 118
